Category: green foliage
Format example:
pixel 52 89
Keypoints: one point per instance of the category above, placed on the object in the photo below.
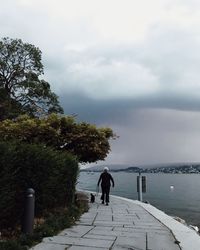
pixel 20 83
pixel 84 140
pixel 9 108
pixel 53 223
pixel 11 245
pixel 50 173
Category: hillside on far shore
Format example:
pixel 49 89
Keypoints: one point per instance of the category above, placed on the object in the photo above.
pixel 156 168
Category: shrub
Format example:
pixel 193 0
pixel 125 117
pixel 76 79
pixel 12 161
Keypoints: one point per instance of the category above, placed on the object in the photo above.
pixel 11 245
pixel 52 224
pixel 52 174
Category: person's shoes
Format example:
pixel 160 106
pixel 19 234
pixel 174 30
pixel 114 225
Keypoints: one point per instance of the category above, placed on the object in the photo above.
pixel 102 202
pixel 107 204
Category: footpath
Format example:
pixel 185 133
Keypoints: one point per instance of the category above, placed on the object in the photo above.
pixel 124 224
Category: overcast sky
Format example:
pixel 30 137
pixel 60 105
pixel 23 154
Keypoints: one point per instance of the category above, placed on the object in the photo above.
pixel 132 65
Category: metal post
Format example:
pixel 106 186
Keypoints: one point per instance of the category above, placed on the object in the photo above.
pixel 140 187
pixel 29 211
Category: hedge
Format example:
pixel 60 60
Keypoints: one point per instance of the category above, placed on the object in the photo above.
pixel 52 174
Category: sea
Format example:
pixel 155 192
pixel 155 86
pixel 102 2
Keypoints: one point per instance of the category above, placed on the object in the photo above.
pixel 177 195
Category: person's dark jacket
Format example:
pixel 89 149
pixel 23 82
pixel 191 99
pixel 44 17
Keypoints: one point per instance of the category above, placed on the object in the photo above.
pixel 105 179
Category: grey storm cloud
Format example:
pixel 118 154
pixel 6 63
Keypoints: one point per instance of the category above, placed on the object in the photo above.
pixel 97 111
pixel 162 72
pixel 118 64
pixel 156 136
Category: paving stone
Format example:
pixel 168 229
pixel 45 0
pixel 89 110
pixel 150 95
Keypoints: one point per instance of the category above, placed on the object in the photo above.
pixel 86 222
pixel 45 246
pixel 89 216
pixel 99 236
pixel 78 241
pixel 149 224
pixel 155 241
pixel 153 227
pixel 125 248
pixel 102 216
pixel 111 223
pixel 86 248
pixel 133 242
pixel 125 220
pixel 76 231
pixel 103 228
pixel 117 233
pixel 138 229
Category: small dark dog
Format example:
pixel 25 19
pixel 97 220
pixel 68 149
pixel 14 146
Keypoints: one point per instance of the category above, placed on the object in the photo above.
pixel 92 198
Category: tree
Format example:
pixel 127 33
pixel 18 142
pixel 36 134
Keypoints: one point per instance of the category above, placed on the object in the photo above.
pixel 83 140
pixel 9 108
pixel 21 88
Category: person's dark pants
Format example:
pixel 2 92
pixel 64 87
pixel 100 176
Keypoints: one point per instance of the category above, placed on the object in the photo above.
pixel 105 192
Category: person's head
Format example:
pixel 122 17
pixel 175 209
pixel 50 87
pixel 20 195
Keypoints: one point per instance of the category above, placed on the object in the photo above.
pixel 106 169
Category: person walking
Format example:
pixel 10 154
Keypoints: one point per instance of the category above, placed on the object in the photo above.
pixel 105 179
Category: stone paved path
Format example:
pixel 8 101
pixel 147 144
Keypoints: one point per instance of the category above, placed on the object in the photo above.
pixel 121 225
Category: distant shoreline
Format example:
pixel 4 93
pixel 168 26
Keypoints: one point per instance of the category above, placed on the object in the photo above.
pixel 178 169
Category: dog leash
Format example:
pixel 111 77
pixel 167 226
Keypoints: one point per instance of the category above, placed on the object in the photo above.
pixel 97 190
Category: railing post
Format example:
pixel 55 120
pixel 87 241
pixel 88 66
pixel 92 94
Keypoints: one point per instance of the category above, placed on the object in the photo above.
pixel 29 212
pixel 139 186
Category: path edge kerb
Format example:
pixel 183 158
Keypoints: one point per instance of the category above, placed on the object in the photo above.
pixel 188 238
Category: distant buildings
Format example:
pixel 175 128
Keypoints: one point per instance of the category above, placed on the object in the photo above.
pixel 172 169
pixel 182 169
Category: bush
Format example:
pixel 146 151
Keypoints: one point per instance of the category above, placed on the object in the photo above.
pixel 52 224
pixel 11 245
pixel 52 174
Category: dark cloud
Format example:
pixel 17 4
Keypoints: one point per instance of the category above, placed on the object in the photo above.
pixel 157 136
pixel 118 110
pixel 157 130
pixel 138 74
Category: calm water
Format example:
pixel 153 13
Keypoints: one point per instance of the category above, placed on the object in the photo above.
pixel 183 201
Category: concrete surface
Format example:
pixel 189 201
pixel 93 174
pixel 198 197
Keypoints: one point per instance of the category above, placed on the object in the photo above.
pixel 124 224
